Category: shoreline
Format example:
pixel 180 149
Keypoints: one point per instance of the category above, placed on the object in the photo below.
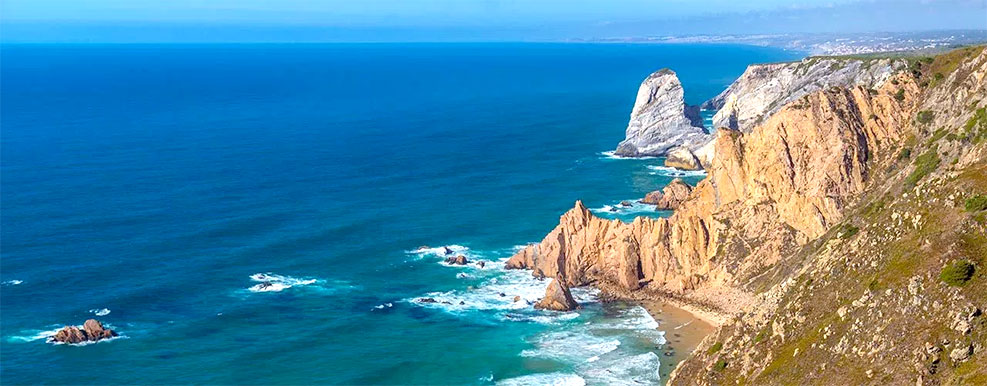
pixel 684 332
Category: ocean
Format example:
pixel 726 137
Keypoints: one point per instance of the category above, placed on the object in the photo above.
pixel 158 187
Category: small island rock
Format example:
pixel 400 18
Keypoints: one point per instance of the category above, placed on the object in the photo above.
pixel 557 298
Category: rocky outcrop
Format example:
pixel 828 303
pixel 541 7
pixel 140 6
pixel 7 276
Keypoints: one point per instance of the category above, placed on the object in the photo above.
pixel 557 298
pixel 767 193
pixel 763 89
pixel 682 158
pixel 92 331
pixel 458 260
pixel 660 119
pixel 669 197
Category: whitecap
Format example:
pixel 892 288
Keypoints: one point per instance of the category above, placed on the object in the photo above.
pixel 100 311
pixel 613 155
pixel 443 250
pixel 673 172
pixel 383 306
pixel 49 336
pixel 554 379
pixel 270 282
pixel 12 282
pixel 618 208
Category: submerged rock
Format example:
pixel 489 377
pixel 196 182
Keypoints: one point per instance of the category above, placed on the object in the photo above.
pixel 557 298
pixel 91 331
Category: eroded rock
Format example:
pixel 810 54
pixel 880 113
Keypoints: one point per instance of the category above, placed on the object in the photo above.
pixel 557 298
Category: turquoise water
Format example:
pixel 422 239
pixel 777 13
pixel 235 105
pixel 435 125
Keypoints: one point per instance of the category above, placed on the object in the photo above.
pixel 155 185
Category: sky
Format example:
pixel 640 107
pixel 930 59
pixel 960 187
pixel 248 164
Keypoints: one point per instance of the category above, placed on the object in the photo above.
pixel 464 20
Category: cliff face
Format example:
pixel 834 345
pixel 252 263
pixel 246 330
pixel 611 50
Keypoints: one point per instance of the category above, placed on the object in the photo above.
pixel 896 292
pixel 845 234
pixel 767 191
pixel 764 88
pixel 660 119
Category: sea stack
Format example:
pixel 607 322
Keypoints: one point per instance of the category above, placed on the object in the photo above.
pixel 670 197
pixel 557 298
pixel 661 120
pixel 92 331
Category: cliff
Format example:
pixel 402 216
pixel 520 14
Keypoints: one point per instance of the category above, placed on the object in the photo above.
pixel 763 89
pixel 660 119
pixel 843 236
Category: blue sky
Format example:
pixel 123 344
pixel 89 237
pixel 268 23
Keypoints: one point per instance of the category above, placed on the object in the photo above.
pixel 438 20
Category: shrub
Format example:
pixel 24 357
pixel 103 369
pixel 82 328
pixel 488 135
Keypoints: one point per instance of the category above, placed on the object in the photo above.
pixel 847 231
pixel 924 164
pixel 900 95
pixel 925 116
pixel 716 347
pixel 720 365
pixel 957 273
pixel 905 153
pixel 975 203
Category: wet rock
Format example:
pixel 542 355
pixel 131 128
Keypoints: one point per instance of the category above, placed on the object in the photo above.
pixel 427 300
pixel 91 331
pixel 458 260
pixel 625 203
pixel 517 299
pixel 481 264
pixel 446 250
pixel 557 298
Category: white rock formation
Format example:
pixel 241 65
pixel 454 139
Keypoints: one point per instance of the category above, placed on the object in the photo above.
pixel 764 88
pixel 660 119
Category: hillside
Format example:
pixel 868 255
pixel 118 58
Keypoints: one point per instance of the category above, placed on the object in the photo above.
pixel 842 237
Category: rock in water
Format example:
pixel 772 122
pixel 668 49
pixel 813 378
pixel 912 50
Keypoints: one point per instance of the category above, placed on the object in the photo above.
pixel 660 119
pixel 458 260
pixel 92 331
pixel 670 197
pixel 70 334
pixel 557 298
pixel 682 158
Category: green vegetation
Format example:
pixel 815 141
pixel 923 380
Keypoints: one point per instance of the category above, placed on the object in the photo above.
pixel 975 129
pixel 925 116
pixel 847 231
pixel 716 347
pixel 957 273
pixel 924 164
pixel 720 365
pixel 905 153
pixel 763 334
pixel 975 203
pixel 900 95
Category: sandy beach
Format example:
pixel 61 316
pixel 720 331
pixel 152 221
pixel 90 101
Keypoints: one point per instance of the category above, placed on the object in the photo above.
pixel 683 332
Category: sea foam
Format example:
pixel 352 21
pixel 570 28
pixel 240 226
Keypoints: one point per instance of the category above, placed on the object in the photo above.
pixel 673 172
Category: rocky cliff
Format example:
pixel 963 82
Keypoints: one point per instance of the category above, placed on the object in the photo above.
pixel 763 89
pixel 844 236
pixel 660 119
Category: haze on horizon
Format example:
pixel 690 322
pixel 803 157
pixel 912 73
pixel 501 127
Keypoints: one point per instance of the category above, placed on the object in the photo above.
pixel 463 20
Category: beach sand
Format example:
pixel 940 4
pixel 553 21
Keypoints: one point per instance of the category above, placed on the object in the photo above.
pixel 683 332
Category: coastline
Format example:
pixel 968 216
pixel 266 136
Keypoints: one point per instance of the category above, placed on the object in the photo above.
pixel 684 332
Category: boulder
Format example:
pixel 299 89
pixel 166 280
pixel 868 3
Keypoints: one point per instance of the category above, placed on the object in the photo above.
pixel 70 334
pixel 481 264
pixel 517 299
pixel 427 300
pixel 557 298
pixel 682 158
pixel 458 260
pixel 962 353
pixel 91 331
pixel 670 197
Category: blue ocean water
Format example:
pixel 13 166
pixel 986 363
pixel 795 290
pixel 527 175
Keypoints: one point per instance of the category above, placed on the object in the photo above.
pixel 158 185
